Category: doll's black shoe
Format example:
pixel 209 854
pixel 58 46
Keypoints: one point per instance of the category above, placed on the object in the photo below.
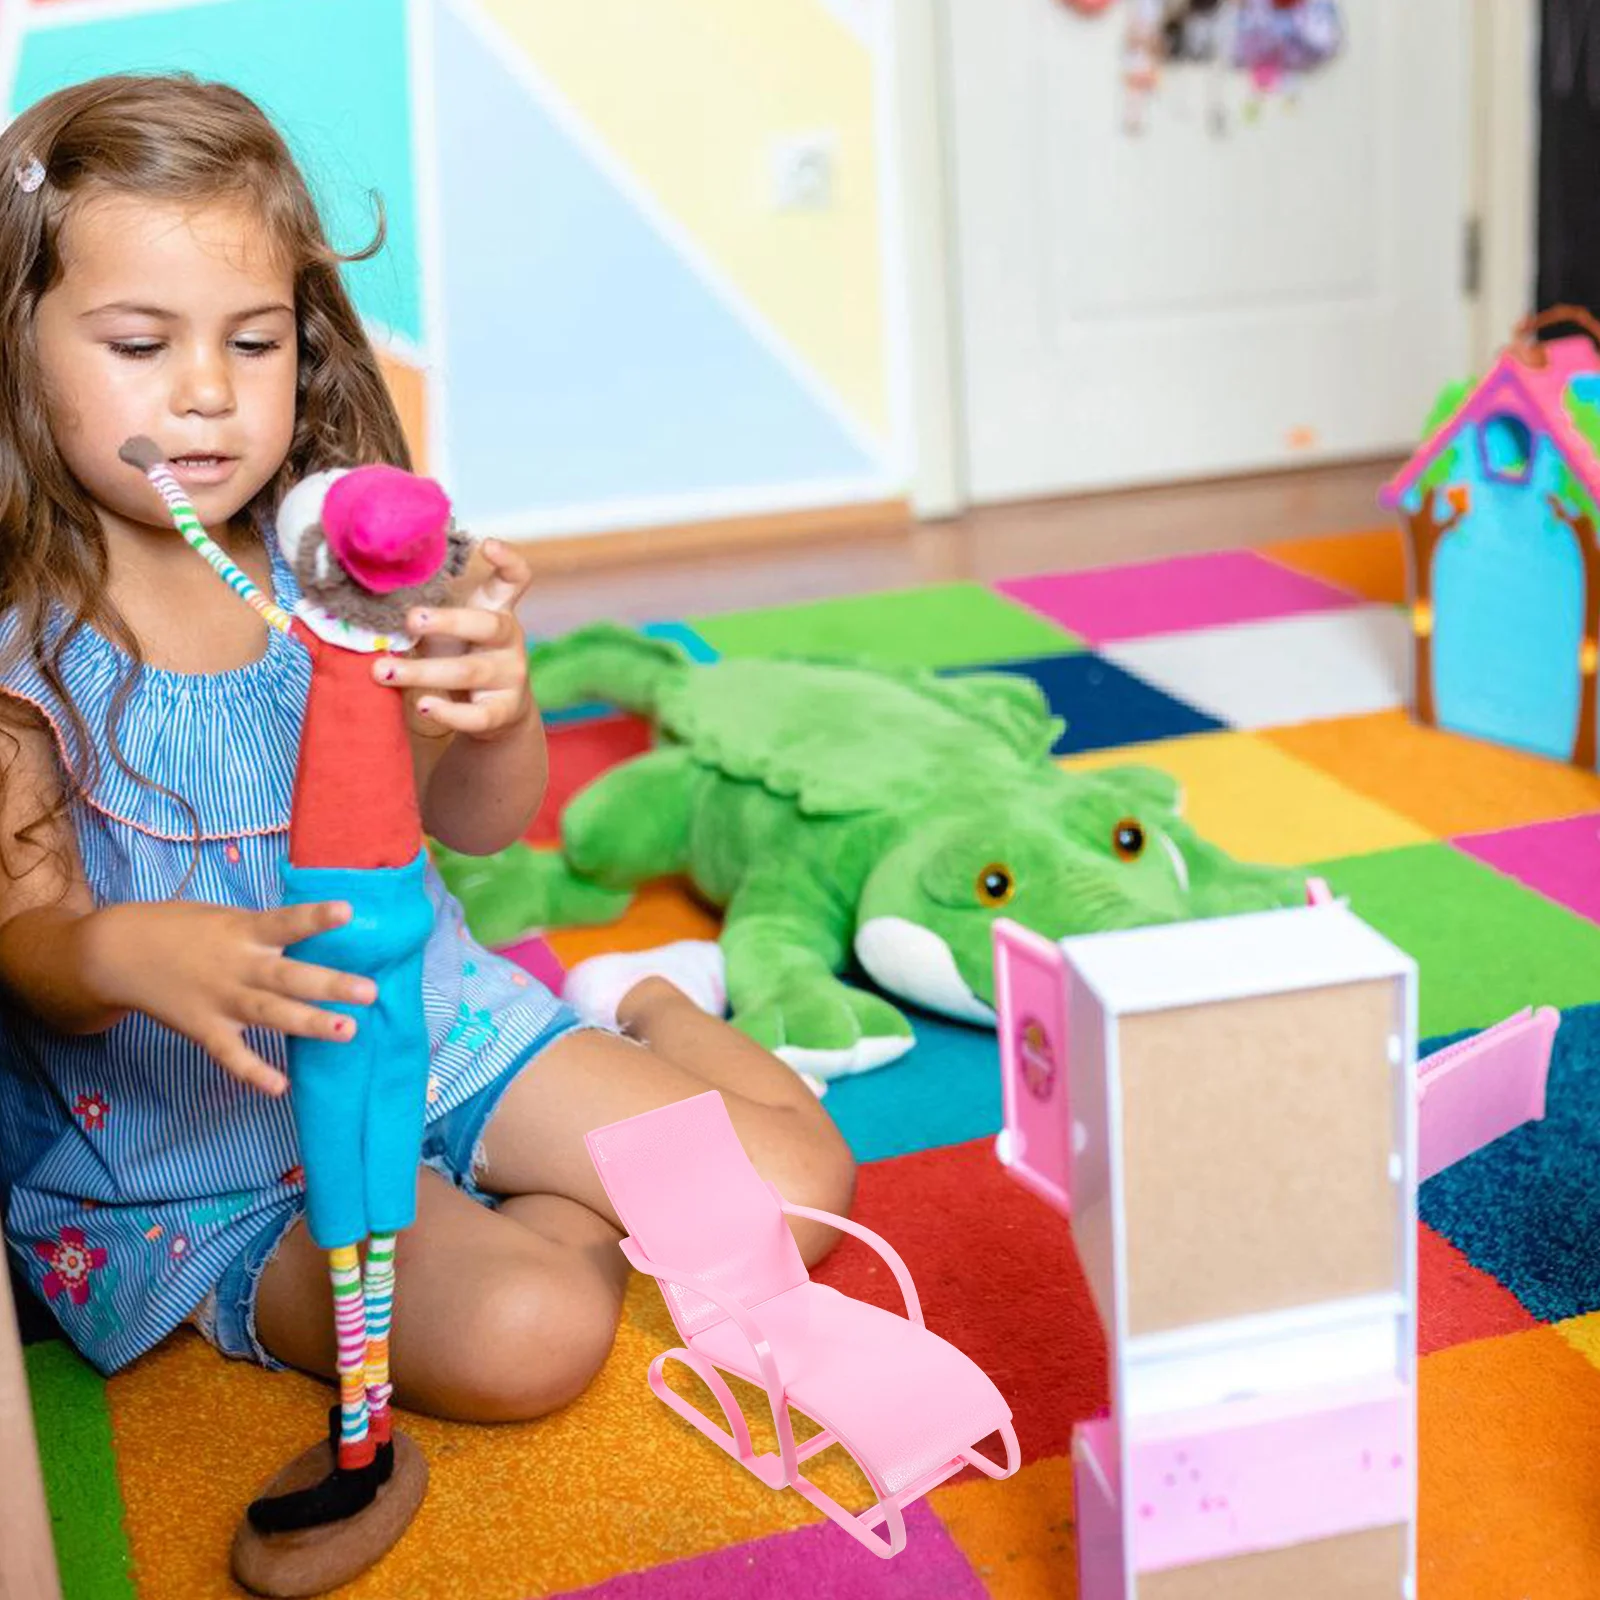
pixel 316 1526
pixel 344 1492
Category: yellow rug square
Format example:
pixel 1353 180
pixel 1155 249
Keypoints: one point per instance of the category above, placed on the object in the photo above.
pixel 1583 1334
pixel 1261 804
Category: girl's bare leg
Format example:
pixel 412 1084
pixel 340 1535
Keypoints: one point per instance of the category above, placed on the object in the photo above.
pixel 535 1144
pixel 508 1314
pixel 494 1319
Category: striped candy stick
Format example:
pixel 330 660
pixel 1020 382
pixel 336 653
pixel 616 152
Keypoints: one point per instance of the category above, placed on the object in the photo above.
pixel 146 455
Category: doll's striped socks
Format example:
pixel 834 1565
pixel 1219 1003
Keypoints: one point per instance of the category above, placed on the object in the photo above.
pixel 380 1310
pixel 350 1330
pixel 358 1426
pixel 362 1312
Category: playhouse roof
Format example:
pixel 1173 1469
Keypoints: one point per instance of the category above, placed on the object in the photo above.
pixel 1537 393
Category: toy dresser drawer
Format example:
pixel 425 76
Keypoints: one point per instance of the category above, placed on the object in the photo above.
pixel 1266 1475
pixel 1303 1497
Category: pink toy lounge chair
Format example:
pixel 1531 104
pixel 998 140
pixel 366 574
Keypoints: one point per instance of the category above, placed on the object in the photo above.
pixel 907 1406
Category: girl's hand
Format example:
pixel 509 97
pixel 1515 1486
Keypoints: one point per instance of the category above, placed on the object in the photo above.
pixel 210 972
pixel 470 669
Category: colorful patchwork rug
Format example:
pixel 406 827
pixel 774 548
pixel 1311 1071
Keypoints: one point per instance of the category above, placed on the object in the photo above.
pixel 1271 684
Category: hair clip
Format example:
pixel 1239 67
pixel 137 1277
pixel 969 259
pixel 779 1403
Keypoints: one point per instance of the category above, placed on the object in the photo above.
pixel 29 175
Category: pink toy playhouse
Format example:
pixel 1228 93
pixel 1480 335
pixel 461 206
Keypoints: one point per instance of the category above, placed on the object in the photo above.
pixel 1499 506
pixel 1230 1112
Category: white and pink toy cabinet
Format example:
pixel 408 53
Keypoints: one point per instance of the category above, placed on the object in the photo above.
pixel 1228 1112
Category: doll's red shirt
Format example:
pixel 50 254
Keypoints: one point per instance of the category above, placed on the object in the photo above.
pixel 355 795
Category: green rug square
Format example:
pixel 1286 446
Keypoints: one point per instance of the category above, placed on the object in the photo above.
pixel 938 625
pixel 78 1462
pixel 1485 945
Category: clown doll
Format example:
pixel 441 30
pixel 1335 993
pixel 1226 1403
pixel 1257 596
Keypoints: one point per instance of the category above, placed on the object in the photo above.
pixel 366 545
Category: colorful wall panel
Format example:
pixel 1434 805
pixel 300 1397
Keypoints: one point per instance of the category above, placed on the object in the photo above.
pixel 592 307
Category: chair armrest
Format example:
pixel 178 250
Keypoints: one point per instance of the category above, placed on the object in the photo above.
pixel 735 1312
pixel 869 1238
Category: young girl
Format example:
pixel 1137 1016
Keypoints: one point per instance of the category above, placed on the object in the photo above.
pixel 163 272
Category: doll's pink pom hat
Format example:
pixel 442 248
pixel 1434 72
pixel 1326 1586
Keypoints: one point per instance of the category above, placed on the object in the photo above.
pixel 387 528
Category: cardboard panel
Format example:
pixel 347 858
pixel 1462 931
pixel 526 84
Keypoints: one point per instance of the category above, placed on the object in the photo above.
pixel 1357 1566
pixel 1256 1141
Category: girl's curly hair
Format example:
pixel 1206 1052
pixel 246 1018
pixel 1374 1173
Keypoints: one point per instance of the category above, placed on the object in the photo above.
pixel 171 138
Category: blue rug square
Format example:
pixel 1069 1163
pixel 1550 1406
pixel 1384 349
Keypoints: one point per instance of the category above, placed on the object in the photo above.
pixel 1103 704
pixel 1526 1209
pixel 945 1091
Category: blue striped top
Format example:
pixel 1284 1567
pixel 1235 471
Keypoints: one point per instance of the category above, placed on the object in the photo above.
pixel 136 1167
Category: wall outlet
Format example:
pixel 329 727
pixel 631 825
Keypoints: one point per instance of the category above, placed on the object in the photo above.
pixel 803 171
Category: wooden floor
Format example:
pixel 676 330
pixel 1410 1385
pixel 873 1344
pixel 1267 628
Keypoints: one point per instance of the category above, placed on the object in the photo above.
pixel 736 567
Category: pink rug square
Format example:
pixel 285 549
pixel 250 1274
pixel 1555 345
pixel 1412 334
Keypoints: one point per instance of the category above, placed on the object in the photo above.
pixel 1203 591
pixel 1560 859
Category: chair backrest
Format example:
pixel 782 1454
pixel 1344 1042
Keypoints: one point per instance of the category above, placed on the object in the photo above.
pixel 689 1197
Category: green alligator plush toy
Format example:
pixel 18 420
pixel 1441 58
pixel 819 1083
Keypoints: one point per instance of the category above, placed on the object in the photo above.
pixel 841 811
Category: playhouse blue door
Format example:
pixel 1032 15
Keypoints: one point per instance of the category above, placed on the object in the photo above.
pixel 1508 614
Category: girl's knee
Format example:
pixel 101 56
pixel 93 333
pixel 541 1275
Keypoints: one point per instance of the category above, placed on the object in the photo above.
pixel 819 1172
pixel 830 1170
pixel 536 1339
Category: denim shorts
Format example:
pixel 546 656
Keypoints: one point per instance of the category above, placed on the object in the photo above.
pixel 451 1146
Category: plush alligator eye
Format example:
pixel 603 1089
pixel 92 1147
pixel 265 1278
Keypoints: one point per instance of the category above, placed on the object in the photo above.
pixel 996 885
pixel 1128 840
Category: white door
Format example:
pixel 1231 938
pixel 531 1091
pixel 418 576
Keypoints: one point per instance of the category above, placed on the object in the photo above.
pixel 1182 304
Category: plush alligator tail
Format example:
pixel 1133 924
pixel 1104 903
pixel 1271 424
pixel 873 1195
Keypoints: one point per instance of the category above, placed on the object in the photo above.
pixel 603 662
